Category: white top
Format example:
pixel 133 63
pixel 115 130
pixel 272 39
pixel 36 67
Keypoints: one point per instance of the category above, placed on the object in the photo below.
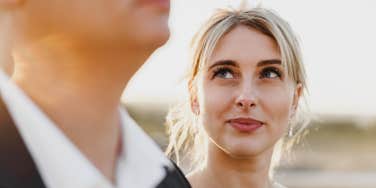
pixel 277 185
pixel 62 165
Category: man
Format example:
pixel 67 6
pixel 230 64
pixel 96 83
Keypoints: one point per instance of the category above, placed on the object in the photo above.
pixel 60 121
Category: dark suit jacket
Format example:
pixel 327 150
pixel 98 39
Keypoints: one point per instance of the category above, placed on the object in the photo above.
pixel 18 170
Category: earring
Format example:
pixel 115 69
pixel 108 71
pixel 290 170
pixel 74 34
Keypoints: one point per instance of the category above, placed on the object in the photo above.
pixel 290 133
pixel 291 119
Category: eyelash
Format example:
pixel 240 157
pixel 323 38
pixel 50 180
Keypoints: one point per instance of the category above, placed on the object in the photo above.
pixel 222 70
pixel 263 72
pixel 270 69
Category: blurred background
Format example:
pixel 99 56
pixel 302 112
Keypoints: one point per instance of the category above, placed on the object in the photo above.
pixel 338 40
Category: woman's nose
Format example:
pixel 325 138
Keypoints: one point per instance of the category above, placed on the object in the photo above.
pixel 247 98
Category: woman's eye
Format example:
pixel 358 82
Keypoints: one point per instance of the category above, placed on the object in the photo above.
pixel 224 73
pixel 271 73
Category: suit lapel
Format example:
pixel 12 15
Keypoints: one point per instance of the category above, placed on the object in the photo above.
pixel 174 178
pixel 17 168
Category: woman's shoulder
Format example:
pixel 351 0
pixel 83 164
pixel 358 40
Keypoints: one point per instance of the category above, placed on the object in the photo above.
pixel 277 185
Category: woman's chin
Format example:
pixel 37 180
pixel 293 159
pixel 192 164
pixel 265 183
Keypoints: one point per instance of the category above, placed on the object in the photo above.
pixel 245 150
pixel 243 153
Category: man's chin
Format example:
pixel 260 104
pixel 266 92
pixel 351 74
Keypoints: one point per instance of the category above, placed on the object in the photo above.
pixel 162 39
pixel 155 41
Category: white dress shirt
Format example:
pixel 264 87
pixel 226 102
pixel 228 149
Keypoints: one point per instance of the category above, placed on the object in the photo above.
pixel 62 165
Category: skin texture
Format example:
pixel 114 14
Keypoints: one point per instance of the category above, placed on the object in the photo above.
pixel 123 23
pixel 242 79
pixel 75 57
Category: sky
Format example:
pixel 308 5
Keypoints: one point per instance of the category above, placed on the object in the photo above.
pixel 338 39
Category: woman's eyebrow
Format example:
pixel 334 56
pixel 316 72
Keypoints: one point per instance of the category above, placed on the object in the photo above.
pixel 269 62
pixel 224 62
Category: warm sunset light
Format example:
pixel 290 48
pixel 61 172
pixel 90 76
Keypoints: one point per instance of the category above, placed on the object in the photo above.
pixel 337 39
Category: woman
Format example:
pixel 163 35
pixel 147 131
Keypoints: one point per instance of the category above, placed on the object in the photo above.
pixel 245 84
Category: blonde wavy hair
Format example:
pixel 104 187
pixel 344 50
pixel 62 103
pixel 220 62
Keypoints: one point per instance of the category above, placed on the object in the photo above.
pixel 187 138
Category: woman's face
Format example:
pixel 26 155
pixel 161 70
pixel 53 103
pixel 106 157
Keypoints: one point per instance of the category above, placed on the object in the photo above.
pixel 107 21
pixel 244 96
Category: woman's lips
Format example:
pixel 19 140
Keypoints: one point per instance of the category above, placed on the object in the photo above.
pixel 245 124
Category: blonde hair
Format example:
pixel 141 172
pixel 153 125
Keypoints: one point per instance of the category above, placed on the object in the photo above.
pixel 187 138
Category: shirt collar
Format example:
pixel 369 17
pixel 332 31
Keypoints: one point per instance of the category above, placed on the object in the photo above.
pixel 143 163
pixel 60 162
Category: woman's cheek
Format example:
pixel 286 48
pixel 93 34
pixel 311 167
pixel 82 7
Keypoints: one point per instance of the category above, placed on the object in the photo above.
pixel 215 102
pixel 277 105
pixel 215 97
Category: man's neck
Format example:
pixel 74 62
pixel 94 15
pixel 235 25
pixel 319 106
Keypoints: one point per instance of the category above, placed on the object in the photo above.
pixel 80 91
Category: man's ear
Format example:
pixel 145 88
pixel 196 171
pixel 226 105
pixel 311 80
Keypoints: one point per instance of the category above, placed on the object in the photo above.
pixel 7 4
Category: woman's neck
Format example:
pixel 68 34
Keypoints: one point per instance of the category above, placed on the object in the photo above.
pixel 223 170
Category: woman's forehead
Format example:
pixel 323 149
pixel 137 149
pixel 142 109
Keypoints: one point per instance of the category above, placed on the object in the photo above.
pixel 245 44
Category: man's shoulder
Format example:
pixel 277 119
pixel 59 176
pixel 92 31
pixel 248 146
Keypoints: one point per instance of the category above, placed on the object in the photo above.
pixel 174 178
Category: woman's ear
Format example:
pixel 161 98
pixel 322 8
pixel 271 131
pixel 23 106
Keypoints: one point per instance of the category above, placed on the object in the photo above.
pixel 297 94
pixel 195 106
